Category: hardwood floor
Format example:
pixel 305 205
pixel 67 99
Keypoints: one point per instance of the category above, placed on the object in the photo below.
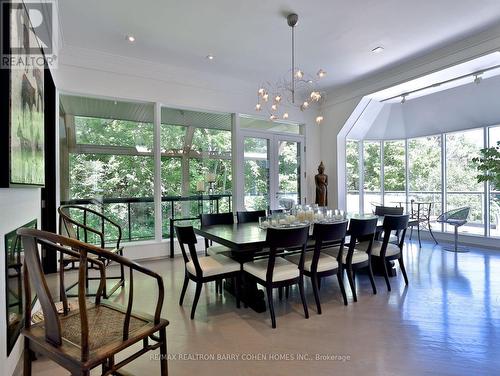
pixel 447 322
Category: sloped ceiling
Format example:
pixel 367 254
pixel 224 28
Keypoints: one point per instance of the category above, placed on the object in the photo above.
pixel 464 107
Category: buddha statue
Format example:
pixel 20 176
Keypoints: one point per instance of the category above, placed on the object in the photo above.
pixel 321 181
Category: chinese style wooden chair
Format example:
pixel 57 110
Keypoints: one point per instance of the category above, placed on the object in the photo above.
pixel 90 226
pixel 91 335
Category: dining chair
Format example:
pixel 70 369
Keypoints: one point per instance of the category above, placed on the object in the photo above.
pixel 387 251
pixel 250 216
pixel 211 220
pixel 204 269
pixel 317 264
pixel 389 210
pixel 91 333
pixel 276 272
pixel 355 259
pixel 90 226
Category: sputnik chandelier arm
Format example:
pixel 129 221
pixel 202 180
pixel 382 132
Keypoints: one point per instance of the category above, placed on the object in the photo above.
pixel 275 98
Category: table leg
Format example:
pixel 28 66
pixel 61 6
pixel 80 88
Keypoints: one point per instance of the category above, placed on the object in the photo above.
pixel 250 294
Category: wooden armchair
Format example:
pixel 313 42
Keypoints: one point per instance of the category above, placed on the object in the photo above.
pixel 91 335
pixel 75 222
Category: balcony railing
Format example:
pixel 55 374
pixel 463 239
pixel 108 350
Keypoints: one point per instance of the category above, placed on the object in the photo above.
pixel 136 214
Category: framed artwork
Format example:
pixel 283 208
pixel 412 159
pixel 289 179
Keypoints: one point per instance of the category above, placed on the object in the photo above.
pixel 23 161
pixel 14 286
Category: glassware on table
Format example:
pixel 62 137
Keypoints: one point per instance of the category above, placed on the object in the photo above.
pixel 263 222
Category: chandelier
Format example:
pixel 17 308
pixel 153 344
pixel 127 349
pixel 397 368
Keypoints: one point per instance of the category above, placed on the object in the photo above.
pixel 295 89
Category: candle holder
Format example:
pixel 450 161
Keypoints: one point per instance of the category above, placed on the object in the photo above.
pixel 211 187
pixel 211 183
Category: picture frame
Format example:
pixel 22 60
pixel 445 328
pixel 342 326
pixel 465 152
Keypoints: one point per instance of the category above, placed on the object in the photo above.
pixel 22 139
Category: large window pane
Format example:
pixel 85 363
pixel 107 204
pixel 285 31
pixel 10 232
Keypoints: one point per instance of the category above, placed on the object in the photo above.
pixel 394 173
pixel 461 185
pixel 352 176
pixel 106 160
pixel 289 174
pixel 196 148
pixel 372 187
pixel 424 175
pixel 256 165
pixel 494 136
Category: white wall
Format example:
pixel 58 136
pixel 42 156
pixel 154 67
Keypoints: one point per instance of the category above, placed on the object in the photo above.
pixel 18 206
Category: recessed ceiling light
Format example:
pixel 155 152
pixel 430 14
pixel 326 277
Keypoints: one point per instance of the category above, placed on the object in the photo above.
pixel 210 57
pixel 131 38
pixel 378 50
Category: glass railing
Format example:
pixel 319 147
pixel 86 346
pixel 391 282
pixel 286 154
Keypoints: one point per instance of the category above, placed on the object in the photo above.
pixel 136 214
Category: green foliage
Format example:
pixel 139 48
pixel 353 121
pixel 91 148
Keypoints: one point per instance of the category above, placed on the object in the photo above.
pixel 394 166
pixel 488 164
pixel 352 164
pixel 372 165
pixel 119 176
pixel 96 131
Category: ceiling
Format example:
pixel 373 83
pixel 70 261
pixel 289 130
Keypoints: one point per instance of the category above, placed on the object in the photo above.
pixel 251 40
pixel 459 108
pixel 140 111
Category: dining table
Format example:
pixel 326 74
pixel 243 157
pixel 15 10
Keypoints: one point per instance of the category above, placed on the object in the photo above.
pixel 246 240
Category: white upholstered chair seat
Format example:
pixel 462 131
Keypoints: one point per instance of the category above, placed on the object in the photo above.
pixel 283 269
pixel 214 265
pixel 325 262
pixel 392 238
pixel 392 249
pixel 216 249
pixel 358 256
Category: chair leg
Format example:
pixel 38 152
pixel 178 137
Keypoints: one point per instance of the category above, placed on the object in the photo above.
pixel 372 280
pixel 163 353
pixel 27 358
pixel 411 232
pixel 303 296
pixel 403 269
pixel 184 288
pixel 418 233
pixel 269 291
pixel 341 284
pixel 287 292
pixel 280 293
pixel 314 281
pixel 199 285
pixel 432 234
pixel 319 283
pixel 351 283
pixel 386 275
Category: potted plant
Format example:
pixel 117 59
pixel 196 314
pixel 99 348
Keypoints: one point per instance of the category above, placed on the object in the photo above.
pixel 488 164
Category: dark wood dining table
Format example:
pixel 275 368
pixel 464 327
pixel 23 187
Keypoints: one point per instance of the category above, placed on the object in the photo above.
pixel 245 240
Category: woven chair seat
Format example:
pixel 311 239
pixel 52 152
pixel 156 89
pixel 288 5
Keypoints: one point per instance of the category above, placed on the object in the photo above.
pixel 105 327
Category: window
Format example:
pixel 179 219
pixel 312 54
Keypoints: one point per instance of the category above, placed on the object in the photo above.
pixel 394 173
pixel 195 146
pixel 424 171
pixel 372 169
pixel 419 176
pixel 107 161
pixel 462 188
pixel 352 176
pixel 256 166
pixel 494 138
